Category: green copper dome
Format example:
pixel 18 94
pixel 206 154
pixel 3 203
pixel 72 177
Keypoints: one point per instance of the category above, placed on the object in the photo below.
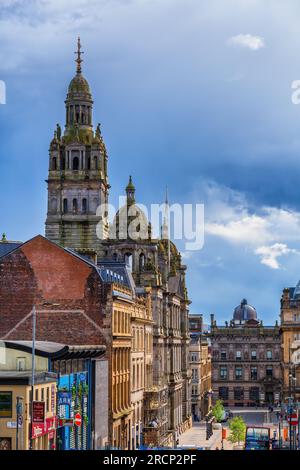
pixel 79 85
pixel 130 185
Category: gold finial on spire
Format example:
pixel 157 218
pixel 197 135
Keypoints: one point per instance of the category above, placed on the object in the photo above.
pixel 79 59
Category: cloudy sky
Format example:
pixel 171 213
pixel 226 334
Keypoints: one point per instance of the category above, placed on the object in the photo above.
pixel 191 94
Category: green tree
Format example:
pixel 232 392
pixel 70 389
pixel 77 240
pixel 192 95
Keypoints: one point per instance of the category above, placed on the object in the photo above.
pixel 218 411
pixel 237 428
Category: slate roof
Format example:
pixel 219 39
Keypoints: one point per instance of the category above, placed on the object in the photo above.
pixel 115 271
pixel 7 247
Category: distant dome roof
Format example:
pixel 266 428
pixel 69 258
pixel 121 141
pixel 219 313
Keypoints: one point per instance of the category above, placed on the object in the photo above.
pixel 127 214
pixel 244 312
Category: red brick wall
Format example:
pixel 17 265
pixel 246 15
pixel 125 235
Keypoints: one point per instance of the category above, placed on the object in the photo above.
pixel 60 285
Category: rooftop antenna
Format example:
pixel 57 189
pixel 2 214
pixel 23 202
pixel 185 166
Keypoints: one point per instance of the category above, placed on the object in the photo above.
pixel 165 229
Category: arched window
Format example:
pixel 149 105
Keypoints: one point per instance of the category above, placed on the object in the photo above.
pixel 89 163
pixel 94 205
pixel 76 163
pixel 53 205
pixel 83 114
pixel 77 114
pixel 75 205
pixel 128 260
pixel 96 162
pixel 54 164
pixel 84 205
pixel 65 206
pixel 142 261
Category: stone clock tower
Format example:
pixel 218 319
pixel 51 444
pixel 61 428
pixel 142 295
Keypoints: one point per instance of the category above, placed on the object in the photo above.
pixel 77 180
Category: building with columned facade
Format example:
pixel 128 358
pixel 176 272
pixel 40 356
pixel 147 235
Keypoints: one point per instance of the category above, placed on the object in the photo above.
pixel 246 360
pixel 77 187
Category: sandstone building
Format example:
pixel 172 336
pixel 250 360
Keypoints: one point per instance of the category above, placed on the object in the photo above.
pixel 80 303
pixel 127 294
pixel 246 360
pixel 200 363
pixel 290 329
pixel 77 185
pixel 77 179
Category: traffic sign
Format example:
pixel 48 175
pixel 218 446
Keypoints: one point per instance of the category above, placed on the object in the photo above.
pixel 78 419
pixel 293 419
pixel 69 422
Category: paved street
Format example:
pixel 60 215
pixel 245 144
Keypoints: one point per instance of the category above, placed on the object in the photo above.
pixel 197 435
pixel 260 416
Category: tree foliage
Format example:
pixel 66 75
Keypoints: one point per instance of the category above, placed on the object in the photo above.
pixel 237 428
pixel 218 411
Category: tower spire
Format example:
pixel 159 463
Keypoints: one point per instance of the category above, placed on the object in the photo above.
pixel 165 229
pixel 130 192
pixel 79 60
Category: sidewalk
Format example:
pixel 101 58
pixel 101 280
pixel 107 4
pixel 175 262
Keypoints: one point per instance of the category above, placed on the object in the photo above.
pixel 196 436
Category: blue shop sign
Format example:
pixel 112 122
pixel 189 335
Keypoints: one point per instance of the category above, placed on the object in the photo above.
pixel 64 398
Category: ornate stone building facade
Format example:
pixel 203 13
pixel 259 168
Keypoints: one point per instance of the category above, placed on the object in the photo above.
pixel 77 185
pixel 157 264
pixel 200 362
pixel 128 318
pixel 246 360
pixel 77 179
pixel 290 328
pixel 82 303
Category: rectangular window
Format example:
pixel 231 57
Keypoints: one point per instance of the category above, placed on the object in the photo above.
pixel 238 372
pixel 253 355
pixel 269 371
pixel 269 355
pixel 238 393
pixel 223 372
pixel 254 394
pixel 21 363
pixel 223 355
pixel 223 393
pixel 238 355
pixel 5 404
pixel 5 443
pixel 253 373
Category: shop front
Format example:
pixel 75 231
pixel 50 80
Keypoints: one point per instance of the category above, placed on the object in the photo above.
pixel 44 434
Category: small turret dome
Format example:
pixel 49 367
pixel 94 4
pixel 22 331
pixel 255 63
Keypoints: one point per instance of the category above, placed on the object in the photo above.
pixel 244 312
pixel 79 85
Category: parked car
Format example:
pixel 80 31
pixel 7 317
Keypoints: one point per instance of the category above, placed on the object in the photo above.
pixel 225 417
